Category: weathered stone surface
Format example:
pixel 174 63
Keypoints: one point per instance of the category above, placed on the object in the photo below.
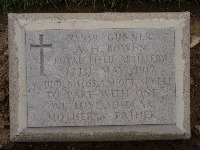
pixel 81 77
pixel 100 77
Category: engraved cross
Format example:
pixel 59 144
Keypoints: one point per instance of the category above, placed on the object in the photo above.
pixel 41 46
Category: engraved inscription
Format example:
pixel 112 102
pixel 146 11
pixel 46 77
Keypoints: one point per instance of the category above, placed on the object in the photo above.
pixel 100 77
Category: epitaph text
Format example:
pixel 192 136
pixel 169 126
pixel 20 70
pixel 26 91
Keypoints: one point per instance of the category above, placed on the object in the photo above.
pixel 100 77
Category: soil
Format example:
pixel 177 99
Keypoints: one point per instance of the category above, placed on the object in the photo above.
pixel 137 6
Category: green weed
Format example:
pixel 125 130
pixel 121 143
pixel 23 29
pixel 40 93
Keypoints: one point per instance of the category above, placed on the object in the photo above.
pixel 6 4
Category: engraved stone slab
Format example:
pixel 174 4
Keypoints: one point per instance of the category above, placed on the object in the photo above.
pixel 100 77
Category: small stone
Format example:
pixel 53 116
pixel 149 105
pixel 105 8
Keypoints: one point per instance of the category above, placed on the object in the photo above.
pixel 194 41
pixel 6 53
pixel 197 127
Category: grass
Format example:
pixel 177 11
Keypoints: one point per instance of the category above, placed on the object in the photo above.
pixel 6 4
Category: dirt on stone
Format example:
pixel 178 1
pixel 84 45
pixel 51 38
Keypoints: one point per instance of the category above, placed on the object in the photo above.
pixel 137 6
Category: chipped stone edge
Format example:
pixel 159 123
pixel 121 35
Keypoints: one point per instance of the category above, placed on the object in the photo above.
pixel 17 76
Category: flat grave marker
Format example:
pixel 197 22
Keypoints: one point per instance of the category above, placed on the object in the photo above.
pixel 80 77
